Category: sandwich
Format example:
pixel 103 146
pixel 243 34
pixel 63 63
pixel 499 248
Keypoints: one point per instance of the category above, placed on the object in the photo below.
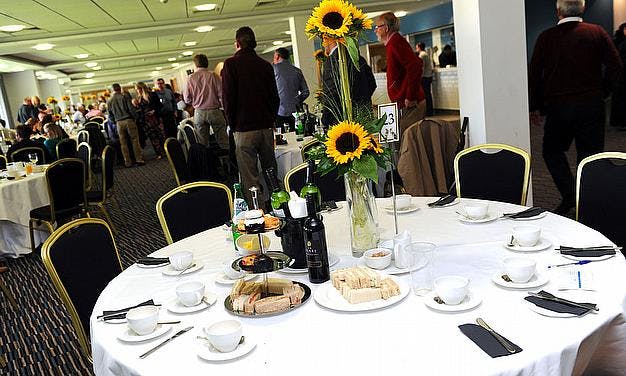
pixel 360 285
pixel 272 304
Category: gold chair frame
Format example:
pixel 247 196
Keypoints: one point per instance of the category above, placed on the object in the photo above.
pixel 299 167
pixel 182 188
pixel 58 284
pixel 510 148
pixel 591 158
pixel 101 204
pixel 95 117
pixel 33 148
pixel 307 145
pixel 85 132
pixel 89 174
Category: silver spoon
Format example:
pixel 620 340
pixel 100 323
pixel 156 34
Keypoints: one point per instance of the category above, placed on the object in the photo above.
pixel 187 268
pixel 510 243
pixel 506 278
pixel 438 300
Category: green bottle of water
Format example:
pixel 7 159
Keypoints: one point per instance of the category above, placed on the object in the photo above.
pixel 279 198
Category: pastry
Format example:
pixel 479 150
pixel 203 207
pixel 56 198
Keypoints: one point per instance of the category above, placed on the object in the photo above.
pixel 258 263
pixel 254 222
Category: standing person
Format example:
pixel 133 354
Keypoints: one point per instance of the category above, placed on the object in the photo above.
pixel 251 103
pixel 447 57
pixel 204 93
pixel 292 88
pixel 168 108
pixel 427 76
pixel 404 71
pixel 150 105
pixel 121 109
pixel 618 100
pixel 565 82
pixel 27 111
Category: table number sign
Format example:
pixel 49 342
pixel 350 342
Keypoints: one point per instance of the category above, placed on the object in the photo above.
pixel 389 131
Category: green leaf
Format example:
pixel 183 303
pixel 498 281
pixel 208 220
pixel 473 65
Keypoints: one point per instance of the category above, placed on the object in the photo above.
pixel 375 125
pixel 353 51
pixel 366 166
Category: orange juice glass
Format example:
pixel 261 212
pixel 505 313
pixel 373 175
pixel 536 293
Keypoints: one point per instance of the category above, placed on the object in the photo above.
pixel 29 168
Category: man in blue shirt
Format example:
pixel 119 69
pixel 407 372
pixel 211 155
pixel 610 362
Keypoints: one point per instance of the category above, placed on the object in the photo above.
pixel 292 88
pixel 168 108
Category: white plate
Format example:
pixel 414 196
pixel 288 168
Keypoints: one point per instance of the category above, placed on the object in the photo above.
pixel 176 306
pixel 173 272
pixel 600 258
pixel 328 296
pixel 143 266
pixel 224 280
pixel 536 281
pixel 547 312
pixel 129 336
pixel 538 216
pixel 391 269
pixel 471 301
pixel 543 244
pixel 207 352
pixel 409 209
pixel 333 259
pixel 490 217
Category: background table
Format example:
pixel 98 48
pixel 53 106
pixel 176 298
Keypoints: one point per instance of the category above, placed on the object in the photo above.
pixel 407 338
pixel 289 156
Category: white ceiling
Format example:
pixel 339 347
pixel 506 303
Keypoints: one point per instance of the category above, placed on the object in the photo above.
pixel 130 38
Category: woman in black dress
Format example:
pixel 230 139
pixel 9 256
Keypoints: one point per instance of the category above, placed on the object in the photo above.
pixel 150 105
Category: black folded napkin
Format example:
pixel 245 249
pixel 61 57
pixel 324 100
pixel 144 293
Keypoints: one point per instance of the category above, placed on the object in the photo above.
pixel 588 252
pixel 551 305
pixel 445 200
pixel 486 341
pixel 153 260
pixel 121 313
pixel 528 213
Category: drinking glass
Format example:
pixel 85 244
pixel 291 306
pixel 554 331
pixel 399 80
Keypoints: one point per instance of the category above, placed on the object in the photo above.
pixel 419 258
pixel 33 158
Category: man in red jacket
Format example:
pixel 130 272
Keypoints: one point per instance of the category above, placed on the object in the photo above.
pixel 404 71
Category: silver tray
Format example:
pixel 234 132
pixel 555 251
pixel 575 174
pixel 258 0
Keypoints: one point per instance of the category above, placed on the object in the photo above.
pixel 281 261
pixel 228 304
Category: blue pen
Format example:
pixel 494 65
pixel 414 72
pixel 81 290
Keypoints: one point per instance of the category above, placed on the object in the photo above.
pixel 579 284
pixel 581 262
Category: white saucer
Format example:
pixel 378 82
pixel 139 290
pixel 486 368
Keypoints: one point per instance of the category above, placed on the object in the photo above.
pixel 543 244
pixel 333 259
pixel 490 217
pixel 173 272
pixel 221 278
pixel 207 352
pixel 175 306
pixel 471 301
pixel 536 281
pixel 538 216
pixel 144 266
pixel 409 209
pixel 129 336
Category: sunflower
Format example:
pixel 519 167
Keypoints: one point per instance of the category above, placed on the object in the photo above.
pixel 346 141
pixel 331 17
pixel 374 145
pixel 359 17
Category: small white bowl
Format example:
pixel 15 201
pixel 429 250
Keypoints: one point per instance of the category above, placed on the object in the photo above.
pixel 451 289
pixel 526 236
pixel 248 244
pixel 476 210
pixel 380 262
pixel 520 269
pixel 181 260
pixel 143 320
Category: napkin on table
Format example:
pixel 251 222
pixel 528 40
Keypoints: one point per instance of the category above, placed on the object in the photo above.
pixel 528 213
pixel 121 313
pixel 553 306
pixel 486 341
pixel 153 260
pixel 588 252
pixel 445 200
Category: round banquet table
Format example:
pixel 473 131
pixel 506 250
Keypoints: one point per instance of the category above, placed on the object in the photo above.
pixel 17 199
pixel 405 338
pixel 289 155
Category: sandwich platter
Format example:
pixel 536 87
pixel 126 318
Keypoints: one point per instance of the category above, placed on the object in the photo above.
pixel 228 304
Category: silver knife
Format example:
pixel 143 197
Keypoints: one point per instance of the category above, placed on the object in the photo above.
pixel 155 348
pixel 507 345
pixel 589 306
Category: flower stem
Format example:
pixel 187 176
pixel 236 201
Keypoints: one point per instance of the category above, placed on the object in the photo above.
pixel 346 99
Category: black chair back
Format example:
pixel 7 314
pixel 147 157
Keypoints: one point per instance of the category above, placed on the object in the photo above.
pixel 332 186
pixel 97 119
pixel 21 154
pixel 83 152
pixel 193 208
pixel 203 164
pixel 79 276
pixel 176 157
pixel 66 187
pixel 97 141
pixel 601 194
pixel 191 134
pixel 499 176
pixel 83 136
pixel 3 162
pixel 66 148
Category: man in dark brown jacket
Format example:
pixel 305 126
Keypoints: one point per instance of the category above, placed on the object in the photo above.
pixel 250 99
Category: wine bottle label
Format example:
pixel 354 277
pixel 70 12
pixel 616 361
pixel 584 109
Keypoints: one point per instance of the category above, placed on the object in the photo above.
pixel 279 213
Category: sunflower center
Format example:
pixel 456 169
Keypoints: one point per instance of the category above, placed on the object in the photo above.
pixel 347 143
pixel 332 20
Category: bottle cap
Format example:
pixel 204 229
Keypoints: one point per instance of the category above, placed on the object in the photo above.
pixel 297 206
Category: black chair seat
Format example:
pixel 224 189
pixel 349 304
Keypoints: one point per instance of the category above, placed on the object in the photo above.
pixel 94 196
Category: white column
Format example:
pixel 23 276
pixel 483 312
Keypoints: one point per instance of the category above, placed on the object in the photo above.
pixel 492 71
pixel 303 54
pixel 619 13
pixel 17 86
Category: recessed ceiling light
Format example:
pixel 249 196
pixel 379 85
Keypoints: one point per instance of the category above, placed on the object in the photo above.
pixel 89 81
pixel 400 13
pixel 89 75
pixel 204 7
pixel 81 56
pixel 158 68
pixel 12 28
pixel 204 29
pixel 174 65
pixel 374 14
pixel 187 53
pixel 288 32
pixel 91 64
pixel 154 73
pixel 171 59
pixel 190 43
pixel 43 46
pixel 97 68
pixel 277 42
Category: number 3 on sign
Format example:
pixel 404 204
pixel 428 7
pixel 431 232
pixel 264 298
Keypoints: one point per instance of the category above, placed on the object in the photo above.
pixel 389 131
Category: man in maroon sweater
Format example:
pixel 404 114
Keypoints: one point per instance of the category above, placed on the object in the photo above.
pixel 250 99
pixel 404 71
pixel 566 84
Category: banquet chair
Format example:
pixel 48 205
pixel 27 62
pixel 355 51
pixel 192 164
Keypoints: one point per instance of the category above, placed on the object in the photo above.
pixel 176 157
pixel 97 119
pixel 78 277
pixel 83 152
pixel 98 198
pixel 308 146
pixel 3 162
pixel 600 199
pixel 82 136
pixel 66 188
pixel 193 208
pixel 492 172
pixel 331 185
pixel 21 154
pixel 66 148
pixel 5 290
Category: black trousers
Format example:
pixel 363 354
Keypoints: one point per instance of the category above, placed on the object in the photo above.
pixel 169 124
pixel 582 123
pixel 426 85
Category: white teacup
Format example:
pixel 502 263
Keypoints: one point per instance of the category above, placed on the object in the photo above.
pixel 476 210
pixel 232 273
pixel 190 293
pixel 527 235
pixel 224 335
pixel 519 269
pixel 143 320
pixel 181 260
pixel 403 201
pixel 451 289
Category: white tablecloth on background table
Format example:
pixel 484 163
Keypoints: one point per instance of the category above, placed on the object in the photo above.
pixel 289 156
pixel 17 199
pixel 407 338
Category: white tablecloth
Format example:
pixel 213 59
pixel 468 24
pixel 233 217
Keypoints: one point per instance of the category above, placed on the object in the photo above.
pixel 288 156
pixel 17 199
pixel 407 338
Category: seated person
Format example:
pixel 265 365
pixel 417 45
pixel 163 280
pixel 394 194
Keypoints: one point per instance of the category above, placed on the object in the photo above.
pixel 22 135
pixel 79 115
pixel 93 111
pixel 55 135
